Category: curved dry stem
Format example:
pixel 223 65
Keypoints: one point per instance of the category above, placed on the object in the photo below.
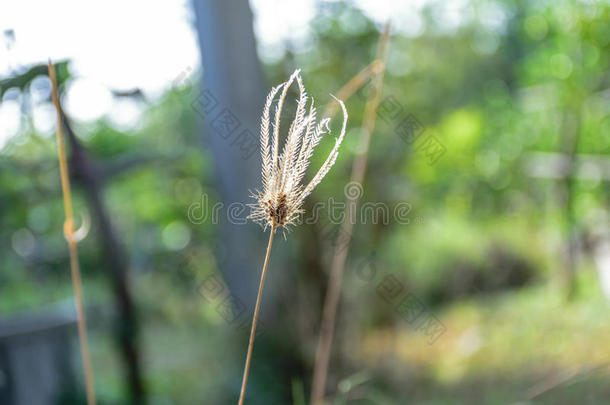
pixel 333 293
pixel 70 237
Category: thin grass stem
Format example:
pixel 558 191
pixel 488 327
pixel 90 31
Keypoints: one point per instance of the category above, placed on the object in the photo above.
pixel 69 234
pixel 353 85
pixel 333 293
pixel 255 318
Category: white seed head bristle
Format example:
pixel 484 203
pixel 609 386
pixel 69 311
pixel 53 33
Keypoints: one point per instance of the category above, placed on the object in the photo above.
pixel 282 196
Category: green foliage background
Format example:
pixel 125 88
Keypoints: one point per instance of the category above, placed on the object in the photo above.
pixel 484 247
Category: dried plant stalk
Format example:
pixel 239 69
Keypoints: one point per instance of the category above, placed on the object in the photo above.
pixel 70 236
pixel 281 199
pixel 255 319
pixel 355 83
pixel 333 293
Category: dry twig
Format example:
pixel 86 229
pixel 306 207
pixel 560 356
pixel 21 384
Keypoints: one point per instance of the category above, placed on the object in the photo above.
pixel 333 292
pixel 69 234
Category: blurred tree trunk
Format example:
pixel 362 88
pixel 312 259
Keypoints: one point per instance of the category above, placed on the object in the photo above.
pixel 90 176
pixel 233 84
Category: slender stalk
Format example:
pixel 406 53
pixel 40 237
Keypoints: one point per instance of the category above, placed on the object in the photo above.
pixel 354 84
pixel 255 318
pixel 333 293
pixel 69 233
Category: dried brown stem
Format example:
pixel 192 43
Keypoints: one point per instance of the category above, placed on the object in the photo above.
pixel 255 318
pixel 351 87
pixel 333 293
pixel 69 233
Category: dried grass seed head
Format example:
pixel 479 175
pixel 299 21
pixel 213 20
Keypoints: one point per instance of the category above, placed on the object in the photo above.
pixel 282 196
